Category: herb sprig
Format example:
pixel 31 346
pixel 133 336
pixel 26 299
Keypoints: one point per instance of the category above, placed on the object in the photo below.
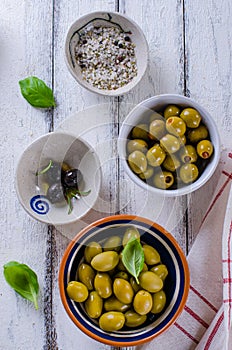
pixel 133 257
pixel 23 280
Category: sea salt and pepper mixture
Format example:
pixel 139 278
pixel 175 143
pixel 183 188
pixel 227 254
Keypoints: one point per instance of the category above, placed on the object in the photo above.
pixel 106 56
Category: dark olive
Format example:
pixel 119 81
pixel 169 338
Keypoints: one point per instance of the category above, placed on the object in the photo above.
pixel 53 174
pixel 72 178
pixel 55 193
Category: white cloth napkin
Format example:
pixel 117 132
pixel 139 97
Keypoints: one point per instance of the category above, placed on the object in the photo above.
pixel 206 321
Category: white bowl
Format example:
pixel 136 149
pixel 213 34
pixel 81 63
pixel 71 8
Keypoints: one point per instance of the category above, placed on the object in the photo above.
pixel 108 19
pixel 157 103
pixel 59 147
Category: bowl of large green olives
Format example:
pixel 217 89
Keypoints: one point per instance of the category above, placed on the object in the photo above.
pixel 169 145
pixel 123 280
pixel 58 178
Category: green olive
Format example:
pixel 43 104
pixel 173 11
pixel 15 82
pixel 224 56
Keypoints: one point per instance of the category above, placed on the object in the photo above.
pixel 188 154
pixel 105 261
pixel 86 275
pixel 92 249
pixel 151 255
pixel 198 134
pixel 112 243
pixel 205 149
pixel 77 291
pixel 155 155
pixel 157 129
pixel 120 266
pixel 137 145
pixel 171 110
pixel 163 179
pixel 191 117
pixel 188 173
pixel 112 321
pixel 131 232
pixel 113 304
pixel 176 126
pixel 171 162
pixel 142 302
pixel 145 267
pixel 160 270
pixel 122 274
pixel 155 116
pixel 147 174
pixel 136 287
pixel 123 290
pixel 182 140
pixel 93 305
pixel 103 284
pixel 150 281
pixel 159 301
pixel 137 162
pixel 140 131
pixel 170 143
pixel 133 319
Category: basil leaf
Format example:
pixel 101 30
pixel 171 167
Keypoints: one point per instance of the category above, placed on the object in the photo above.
pixel 133 258
pixel 23 280
pixel 37 93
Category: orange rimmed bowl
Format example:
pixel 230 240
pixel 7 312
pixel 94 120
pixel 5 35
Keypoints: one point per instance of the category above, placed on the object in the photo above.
pixel 176 285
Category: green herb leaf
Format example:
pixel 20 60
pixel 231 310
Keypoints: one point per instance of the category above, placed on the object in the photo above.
pixel 37 93
pixel 43 171
pixel 133 258
pixel 23 280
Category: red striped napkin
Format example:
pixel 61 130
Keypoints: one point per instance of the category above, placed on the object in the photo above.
pixel 206 322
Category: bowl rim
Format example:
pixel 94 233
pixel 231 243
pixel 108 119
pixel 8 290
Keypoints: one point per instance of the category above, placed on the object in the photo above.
pixel 132 218
pixel 89 87
pixel 149 103
pixel 18 192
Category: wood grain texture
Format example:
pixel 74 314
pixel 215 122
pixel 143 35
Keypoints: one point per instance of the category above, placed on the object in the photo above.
pixel 22 239
pixel 190 53
pixel 163 27
pixel 209 82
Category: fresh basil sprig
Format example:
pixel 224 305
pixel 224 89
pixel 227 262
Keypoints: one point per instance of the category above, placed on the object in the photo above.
pixel 23 280
pixel 37 93
pixel 133 258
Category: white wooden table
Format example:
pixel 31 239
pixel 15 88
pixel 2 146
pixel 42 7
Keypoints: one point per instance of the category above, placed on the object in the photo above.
pixel 190 53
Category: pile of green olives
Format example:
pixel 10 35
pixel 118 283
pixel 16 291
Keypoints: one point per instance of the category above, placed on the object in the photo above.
pixel 171 148
pixel 109 293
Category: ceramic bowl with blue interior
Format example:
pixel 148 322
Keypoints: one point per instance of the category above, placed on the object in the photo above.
pixel 176 284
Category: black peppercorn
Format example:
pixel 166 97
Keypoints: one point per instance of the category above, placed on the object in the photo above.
pixel 127 38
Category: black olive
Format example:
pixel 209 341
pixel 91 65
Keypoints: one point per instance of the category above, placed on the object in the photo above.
pixel 53 175
pixel 72 178
pixel 55 193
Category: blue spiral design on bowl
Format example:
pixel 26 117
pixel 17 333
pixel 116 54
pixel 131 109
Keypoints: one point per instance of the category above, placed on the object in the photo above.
pixel 39 205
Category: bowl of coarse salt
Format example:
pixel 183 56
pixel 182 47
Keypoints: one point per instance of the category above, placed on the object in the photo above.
pixel 106 52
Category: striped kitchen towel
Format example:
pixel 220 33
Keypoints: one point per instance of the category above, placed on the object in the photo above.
pixel 205 323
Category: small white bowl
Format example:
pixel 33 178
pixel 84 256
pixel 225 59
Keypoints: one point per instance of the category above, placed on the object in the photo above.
pixel 157 103
pixel 59 147
pixel 107 19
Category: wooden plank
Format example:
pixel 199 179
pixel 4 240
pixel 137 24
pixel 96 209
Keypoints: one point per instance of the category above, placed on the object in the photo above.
pixel 25 32
pixel 209 80
pixel 163 28
pixel 72 98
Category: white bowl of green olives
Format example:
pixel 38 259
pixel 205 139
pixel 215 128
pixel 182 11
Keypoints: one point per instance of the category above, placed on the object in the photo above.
pixel 58 178
pixel 123 280
pixel 169 145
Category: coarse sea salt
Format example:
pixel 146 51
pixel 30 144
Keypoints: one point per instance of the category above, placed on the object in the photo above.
pixel 106 56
